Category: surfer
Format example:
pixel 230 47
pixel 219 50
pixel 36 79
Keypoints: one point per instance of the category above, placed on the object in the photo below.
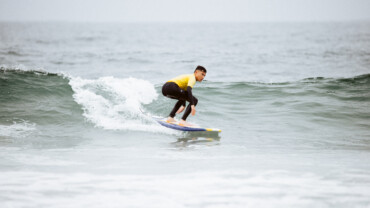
pixel 180 88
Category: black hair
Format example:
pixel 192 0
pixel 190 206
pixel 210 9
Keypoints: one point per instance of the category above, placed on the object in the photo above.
pixel 201 68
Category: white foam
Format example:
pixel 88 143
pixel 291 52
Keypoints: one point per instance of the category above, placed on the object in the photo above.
pixel 114 103
pixel 18 130
pixel 272 188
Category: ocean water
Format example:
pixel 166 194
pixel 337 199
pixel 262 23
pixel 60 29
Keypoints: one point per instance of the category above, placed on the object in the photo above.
pixel 292 101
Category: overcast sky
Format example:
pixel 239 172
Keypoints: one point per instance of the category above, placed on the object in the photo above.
pixel 184 10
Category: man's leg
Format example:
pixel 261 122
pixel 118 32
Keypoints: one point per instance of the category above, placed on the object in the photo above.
pixel 173 91
pixel 188 109
pixel 176 107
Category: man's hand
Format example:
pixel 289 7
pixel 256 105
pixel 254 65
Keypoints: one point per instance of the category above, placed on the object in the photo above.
pixel 193 110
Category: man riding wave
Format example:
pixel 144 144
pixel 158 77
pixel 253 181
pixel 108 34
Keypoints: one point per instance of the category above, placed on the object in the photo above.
pixel 180 88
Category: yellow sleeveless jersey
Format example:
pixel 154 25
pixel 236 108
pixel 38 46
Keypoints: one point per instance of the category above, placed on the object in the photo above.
pixel 183 81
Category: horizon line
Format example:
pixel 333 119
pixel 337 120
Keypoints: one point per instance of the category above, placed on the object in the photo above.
pixel 156 22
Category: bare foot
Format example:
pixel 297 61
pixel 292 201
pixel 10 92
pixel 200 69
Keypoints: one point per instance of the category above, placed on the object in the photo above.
pixel 184 123
pixel 180 109
pixel 170 120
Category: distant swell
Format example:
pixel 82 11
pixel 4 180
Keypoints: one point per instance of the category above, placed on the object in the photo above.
pixel 319 82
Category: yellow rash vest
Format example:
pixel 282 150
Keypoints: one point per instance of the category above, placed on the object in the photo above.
pixel 183 81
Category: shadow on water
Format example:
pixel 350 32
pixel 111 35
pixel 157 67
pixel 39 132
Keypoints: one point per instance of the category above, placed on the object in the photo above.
pixel 198 138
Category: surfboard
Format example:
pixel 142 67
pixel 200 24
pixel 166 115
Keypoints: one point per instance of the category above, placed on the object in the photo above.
pixel 176 126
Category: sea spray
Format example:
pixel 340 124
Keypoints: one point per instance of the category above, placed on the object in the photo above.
pixel 20 129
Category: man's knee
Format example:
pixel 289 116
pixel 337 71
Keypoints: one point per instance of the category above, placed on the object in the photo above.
pixel 181 102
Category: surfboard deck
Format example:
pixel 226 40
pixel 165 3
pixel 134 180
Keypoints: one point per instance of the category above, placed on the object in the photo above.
pixel 176 126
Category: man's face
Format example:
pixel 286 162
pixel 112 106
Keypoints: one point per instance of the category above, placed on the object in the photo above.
pixel 199 75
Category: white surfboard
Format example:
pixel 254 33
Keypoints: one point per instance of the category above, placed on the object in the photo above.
pixel 177 126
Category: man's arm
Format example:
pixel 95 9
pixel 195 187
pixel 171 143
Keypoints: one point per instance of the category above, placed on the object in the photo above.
pixel 191 99
pixel 190 95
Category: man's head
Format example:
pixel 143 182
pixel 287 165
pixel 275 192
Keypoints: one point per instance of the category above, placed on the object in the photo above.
pixel 200 72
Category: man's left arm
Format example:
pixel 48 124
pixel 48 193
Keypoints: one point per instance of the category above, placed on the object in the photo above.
pixel 191 99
